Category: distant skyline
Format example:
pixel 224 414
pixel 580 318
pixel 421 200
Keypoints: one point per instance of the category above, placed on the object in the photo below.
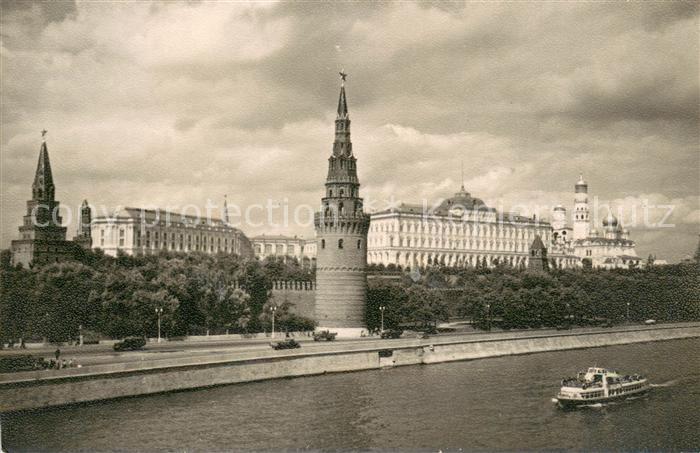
pixel 174 104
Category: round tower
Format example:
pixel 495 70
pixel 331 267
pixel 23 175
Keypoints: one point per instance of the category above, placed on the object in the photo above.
pixel 581 212
pixel 341 236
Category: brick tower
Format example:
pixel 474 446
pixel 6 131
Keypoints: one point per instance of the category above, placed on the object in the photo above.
pixel 341 235
pixel 42 235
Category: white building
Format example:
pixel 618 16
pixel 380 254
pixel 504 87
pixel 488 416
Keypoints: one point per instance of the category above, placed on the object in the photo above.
pixel 143 231
pixel 285 247
pixel 462 231
pixel 611 249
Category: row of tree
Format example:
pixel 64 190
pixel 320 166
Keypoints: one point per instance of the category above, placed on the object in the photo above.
pixel 198 293
pixel 511 298
pixel 122 296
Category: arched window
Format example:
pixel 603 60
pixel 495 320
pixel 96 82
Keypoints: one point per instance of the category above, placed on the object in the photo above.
pixel 342 192
pixel 323 243
pixel 330 192
pixel 359 243
pixel 340 243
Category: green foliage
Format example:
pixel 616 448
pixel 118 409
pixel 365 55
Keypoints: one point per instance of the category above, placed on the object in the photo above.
pixel 118 297
pixel 512 298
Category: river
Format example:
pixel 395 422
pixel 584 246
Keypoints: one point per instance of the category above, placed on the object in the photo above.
pixel 500 403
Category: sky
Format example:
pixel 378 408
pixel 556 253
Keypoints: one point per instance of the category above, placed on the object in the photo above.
pixel 177 104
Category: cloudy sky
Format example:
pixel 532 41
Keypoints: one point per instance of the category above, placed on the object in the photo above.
pixel 173 104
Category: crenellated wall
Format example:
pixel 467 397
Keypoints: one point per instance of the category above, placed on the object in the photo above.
pixel 300 294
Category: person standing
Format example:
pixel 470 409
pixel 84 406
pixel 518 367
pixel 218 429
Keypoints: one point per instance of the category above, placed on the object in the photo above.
pixel 57 354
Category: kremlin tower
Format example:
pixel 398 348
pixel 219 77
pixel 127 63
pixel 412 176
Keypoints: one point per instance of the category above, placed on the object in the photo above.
pixel 341 236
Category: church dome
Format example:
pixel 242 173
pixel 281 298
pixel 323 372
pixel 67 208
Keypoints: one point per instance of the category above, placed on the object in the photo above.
pixel 611 220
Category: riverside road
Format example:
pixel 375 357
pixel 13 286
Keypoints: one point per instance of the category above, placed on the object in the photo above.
pixel 101 354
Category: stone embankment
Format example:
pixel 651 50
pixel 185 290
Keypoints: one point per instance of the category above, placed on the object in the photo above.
pixel 38 389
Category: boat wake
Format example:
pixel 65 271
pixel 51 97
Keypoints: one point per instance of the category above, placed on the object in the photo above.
pixel 670 383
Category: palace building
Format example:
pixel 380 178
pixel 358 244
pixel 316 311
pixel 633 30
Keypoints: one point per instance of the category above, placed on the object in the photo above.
pixel 42 234
pixel 285 247
pixel 341 237
pixel 137 231
pixel 462 231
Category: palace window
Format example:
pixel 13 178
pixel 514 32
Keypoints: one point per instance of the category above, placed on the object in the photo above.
pixel 323 243
pixel 340 243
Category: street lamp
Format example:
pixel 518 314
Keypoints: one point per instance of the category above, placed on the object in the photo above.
pixel 628 312
pixel 273 309
pixel 159 312
pixel 488 317
pixel 381 311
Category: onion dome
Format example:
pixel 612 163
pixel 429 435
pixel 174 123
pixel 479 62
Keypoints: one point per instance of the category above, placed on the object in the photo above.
pixel 611 220
pixel 581 181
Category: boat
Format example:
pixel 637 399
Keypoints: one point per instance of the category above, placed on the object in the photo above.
pixel 599 385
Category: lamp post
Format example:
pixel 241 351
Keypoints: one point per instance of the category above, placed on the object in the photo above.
pixel 488 317
pixel 159 312
pixel 381 311
pixel 628 312
pixel 273 309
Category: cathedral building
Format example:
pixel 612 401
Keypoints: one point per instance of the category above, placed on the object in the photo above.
pixel 341 236
pixel 610 249
pixel 42 234
pixel 460 232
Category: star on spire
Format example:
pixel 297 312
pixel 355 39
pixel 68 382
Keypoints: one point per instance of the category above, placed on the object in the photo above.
pixel 43 134
pixel 343 76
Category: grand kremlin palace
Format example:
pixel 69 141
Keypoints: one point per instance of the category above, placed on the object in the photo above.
pixel 461 231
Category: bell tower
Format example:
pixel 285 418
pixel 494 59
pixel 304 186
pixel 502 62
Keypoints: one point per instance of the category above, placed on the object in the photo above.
pixel 341 236
pixel 581 222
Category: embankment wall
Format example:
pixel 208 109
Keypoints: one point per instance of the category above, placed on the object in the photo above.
pixel 29 390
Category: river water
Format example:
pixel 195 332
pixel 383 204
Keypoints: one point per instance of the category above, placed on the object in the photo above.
pixel 490 404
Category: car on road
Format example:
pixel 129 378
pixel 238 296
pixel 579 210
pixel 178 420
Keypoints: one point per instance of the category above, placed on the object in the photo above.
pixel 325 335
pixel 391 334
pixel 130 344
pixel 650 322
pixel 286 344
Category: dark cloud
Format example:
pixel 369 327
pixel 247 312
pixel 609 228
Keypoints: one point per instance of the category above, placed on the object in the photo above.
pixel 179 102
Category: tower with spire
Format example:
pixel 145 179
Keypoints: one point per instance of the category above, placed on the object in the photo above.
pixel 84 235
pixel 341 234
pixel 42 234
pixel 581 222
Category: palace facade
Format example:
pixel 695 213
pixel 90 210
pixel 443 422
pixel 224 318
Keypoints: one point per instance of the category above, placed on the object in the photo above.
pixel 285 247
pixel 137 231
pixel 462 231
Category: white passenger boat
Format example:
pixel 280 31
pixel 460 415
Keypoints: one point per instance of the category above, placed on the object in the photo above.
pixel 598 385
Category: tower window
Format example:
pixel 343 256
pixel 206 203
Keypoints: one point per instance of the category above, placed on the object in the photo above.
pixel 323 243
pixel 359 243
pixel 340 243
pixel 342 192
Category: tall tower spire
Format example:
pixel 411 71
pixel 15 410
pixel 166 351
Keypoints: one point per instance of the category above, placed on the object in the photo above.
pixel 43 188
pixel 341 236
pixel 342 146
pixel 581 212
